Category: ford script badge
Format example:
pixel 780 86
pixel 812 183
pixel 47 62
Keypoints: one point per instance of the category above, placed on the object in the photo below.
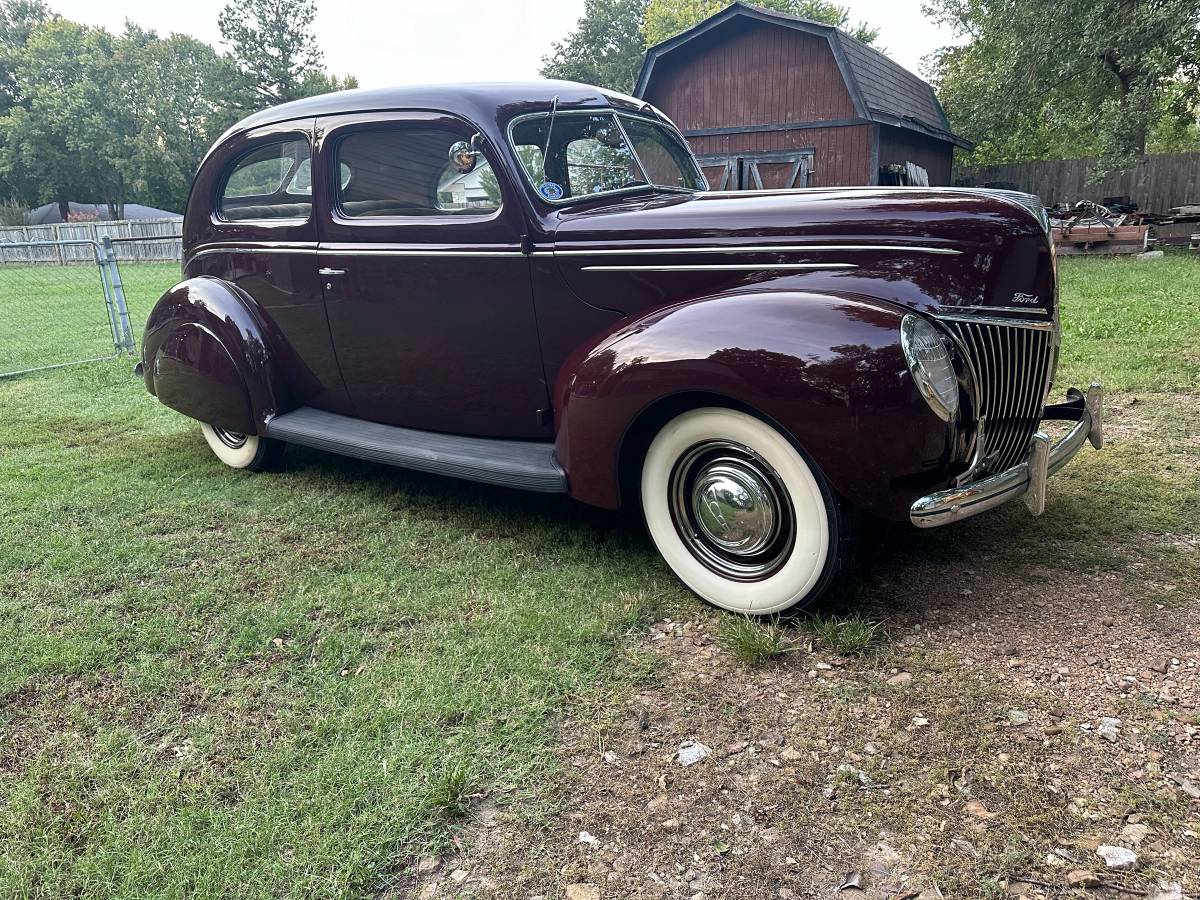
pixel 1020 299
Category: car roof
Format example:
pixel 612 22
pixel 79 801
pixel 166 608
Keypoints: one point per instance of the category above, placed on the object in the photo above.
pixel 481 99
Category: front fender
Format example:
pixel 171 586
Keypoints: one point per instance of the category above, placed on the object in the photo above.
pixel 826 368
pixel 207 354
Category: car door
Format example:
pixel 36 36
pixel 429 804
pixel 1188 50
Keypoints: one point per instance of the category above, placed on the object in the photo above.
pixel 261 236
pixel 427 286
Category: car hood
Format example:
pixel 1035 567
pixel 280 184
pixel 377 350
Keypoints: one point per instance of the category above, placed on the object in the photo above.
pixel 934 250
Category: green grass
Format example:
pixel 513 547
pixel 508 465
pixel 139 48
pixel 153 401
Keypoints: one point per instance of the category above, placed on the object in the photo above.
pixel 217 684
pixel 220 685
pixel 844 635
pixel 1135 324
pixel 751 642
pixel 56 314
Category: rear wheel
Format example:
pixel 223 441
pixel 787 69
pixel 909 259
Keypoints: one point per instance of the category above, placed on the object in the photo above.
pixel 739 514
pixel 242 451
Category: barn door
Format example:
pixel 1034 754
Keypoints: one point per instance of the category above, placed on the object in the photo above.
pixel 777 170
pixel 764 171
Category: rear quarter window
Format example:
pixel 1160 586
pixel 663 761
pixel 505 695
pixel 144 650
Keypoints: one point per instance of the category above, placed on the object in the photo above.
pixel 271 181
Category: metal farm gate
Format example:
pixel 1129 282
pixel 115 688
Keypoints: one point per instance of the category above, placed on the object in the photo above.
pixel 61 303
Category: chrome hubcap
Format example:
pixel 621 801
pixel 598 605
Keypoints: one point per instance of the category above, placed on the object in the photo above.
pixel 733 507
pixel 731 510
pixel 233 439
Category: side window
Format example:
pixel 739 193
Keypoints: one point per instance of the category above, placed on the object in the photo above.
pixel 405 171
pixel 667 162
pixel 272 181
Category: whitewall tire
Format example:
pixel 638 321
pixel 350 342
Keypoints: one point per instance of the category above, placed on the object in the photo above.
pixel 738 513
pixel 241 451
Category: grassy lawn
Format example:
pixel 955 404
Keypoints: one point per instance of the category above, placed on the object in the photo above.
pixel 1133 323
pixel 56 314
pixel 225 685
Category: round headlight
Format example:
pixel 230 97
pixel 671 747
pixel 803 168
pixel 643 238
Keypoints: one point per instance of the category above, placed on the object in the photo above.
pixel 929 361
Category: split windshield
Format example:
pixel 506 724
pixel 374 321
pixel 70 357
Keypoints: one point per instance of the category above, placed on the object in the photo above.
pixel 597 153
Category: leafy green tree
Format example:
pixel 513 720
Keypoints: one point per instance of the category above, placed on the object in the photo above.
pixel 18 20
pixel 666 18
pixel 276 50
pixel 1044 79
pixel 41 154
pixel 605 49
pixel 189 94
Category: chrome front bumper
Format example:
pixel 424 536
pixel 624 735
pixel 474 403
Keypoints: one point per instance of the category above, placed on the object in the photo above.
pixel 1026 479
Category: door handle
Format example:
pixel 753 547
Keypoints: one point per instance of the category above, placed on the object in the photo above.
pixel 331 271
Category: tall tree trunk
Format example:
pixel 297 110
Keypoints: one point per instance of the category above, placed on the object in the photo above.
pixel 1127 79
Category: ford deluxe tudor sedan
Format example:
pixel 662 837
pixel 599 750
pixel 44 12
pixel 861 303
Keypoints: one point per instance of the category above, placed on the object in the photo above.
pixel 531 285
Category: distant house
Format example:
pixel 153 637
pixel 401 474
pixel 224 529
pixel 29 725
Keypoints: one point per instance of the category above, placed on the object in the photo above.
pixel 769 100
pixel 96 212
pixel 460 191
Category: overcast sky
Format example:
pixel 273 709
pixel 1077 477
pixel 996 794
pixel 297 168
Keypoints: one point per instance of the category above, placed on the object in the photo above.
pixel 408 42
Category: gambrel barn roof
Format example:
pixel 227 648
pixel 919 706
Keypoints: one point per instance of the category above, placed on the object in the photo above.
pixel 882 90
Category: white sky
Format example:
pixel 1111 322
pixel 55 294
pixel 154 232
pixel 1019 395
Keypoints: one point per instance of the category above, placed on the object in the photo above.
pixel 411 42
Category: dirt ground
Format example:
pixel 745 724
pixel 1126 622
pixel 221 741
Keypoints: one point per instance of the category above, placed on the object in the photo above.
pixel 1015 723
pixel 972 750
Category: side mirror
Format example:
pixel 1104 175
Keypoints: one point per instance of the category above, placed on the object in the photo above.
pixel 464 155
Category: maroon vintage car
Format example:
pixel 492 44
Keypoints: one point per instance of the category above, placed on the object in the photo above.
pixel 530 285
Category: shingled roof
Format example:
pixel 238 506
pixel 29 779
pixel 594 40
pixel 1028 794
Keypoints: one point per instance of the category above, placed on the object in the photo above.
pixel 882 90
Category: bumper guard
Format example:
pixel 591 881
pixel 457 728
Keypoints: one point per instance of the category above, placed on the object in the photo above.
pixel 1026 479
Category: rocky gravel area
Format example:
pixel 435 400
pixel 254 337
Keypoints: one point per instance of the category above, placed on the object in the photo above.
pixel 993 744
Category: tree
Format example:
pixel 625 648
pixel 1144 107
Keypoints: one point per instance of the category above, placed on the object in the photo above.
pixel 666 18
pixel 191 94
pixel 605 48
pixel 1058 78
pixel 273 44
pixel 41 155
pixel 18 20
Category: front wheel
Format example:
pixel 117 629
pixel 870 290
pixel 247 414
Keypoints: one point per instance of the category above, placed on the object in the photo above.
pixel 739 514
pixel 242 451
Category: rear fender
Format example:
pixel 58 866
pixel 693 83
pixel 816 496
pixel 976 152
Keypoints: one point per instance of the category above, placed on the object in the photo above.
pixel 825 368
pixel 208 354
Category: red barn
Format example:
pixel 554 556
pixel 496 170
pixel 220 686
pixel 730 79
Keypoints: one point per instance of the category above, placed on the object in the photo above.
pixel 769 100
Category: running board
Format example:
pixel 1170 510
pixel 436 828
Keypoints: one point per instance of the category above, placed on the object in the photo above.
pixel 527 465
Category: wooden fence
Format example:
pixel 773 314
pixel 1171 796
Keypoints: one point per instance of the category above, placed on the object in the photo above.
pixel 131 240
pixel 1158 183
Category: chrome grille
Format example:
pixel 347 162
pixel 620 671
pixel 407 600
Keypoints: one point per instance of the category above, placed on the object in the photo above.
pixel 1012 364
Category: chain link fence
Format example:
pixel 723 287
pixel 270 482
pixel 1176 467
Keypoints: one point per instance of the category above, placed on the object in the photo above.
pixel 68 301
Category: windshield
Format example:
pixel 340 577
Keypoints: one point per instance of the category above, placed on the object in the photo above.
pixel 594 153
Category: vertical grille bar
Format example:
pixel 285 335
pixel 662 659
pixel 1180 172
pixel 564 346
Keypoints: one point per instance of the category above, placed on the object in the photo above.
pixel 1013 367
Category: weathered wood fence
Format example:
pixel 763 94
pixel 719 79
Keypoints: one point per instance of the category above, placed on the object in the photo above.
pixel 1158 183
pixel 138 240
